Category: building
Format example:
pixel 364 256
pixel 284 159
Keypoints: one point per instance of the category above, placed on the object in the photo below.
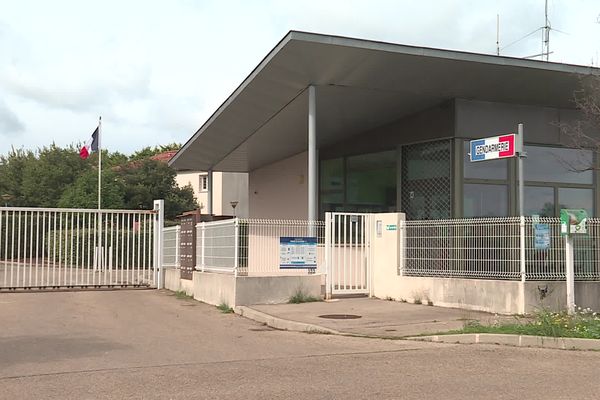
pixel 228 188
pixel 327 123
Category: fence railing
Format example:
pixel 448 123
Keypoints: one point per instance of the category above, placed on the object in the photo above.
pixel 495 248
pixel 171 246
pixel 251 247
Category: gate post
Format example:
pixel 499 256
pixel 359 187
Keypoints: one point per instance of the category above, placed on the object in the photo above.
pixel 328 268
pixel 159 222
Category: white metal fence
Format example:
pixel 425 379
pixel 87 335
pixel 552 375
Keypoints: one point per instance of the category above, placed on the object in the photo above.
pixel 251 247
pixel 171 246
pixel 76 248
pixel 495 248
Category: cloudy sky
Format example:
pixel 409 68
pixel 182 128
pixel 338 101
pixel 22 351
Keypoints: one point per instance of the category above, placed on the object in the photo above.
pixel 156 70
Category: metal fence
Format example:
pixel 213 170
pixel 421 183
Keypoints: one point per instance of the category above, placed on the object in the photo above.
pixel 171 246
pixel 260 243
pixel 495 248
pixel 76 248
pixel 251 247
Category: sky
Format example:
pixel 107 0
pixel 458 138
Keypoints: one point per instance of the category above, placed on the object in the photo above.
pixel 156 70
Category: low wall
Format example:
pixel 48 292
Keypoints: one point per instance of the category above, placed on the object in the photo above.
pixel 552 295
pixel 274 289
pixel 172 279
pixel 213 288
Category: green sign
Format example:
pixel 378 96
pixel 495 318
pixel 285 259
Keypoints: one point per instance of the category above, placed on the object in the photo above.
pixel 391 227
pixel 573 221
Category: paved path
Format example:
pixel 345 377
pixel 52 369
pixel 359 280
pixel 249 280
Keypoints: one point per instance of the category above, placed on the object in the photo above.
pixel 379 318
pixel 150 345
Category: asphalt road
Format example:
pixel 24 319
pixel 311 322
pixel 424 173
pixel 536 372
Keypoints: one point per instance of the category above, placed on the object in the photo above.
pixel 151 345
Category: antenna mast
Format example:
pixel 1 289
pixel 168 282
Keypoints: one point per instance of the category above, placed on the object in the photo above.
pixel 546 35
pixel 497 34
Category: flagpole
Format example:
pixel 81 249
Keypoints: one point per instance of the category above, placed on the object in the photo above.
pixel 99 162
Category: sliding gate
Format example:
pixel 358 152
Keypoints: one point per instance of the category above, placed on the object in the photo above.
pixel 56 248
pixel 348 253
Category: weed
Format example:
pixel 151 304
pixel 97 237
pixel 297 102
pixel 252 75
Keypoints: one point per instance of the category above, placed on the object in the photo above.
pixel 583 324
pixel 300 296
pixel 417 301
pixel 403 300
pixel 429 303
pixel 224 308
pixel 389 298
pixel 182 295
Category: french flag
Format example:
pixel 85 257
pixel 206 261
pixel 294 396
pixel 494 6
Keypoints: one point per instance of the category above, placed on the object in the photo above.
pixel 91 145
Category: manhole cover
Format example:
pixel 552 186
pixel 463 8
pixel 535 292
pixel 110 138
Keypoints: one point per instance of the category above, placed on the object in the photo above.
pixel 340 316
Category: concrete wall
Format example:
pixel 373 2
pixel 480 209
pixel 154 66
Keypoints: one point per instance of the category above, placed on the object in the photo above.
pixel 172 279
pixel 280 190
pixel 587 295
pixel 215 289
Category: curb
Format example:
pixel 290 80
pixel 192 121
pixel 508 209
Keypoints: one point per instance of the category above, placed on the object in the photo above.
pixel 282 324
pixel 514 340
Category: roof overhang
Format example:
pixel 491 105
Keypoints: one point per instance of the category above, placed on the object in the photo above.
pixel 360 85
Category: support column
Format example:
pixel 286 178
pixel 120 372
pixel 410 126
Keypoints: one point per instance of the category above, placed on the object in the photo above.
pixel 312 155
pixel 209 205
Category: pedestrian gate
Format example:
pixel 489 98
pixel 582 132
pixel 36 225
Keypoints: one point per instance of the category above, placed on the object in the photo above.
pixel 57 248
pixel 348 253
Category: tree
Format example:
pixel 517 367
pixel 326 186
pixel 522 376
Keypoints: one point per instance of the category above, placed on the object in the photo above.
pixel 585 133
pixel 83 193
pixel 11 176
pixel 148 152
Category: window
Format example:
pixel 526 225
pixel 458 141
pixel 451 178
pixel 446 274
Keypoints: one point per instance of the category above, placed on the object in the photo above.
pixel 539 200
pixel 426 180
pixel 362 183
pixel 203 183
pixel 482 200
pixel 558 178
pixel 485 188
pixel 561 165
pixel 577 198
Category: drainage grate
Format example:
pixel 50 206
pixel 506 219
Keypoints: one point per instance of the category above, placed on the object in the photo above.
pixel 340 316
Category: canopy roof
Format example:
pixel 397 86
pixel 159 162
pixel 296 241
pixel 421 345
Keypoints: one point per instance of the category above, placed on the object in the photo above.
pixel 360 85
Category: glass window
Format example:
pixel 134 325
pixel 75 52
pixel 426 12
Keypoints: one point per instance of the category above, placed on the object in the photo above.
pixel 481 200
pixel 332 174
pixel 495 169
pixel 371 180
pixel 539 200
pixel 552 164
pixel 203 183
pixel 426 182
pixel 576 198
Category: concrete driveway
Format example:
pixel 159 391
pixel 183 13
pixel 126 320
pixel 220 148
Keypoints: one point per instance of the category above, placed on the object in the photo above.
pixel 151 345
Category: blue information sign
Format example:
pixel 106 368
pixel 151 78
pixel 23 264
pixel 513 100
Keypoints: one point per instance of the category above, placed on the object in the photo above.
pixel 297 252
pixel 541 236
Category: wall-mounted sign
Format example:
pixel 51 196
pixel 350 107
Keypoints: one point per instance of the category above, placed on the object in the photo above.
pixel 573 221
pixel 297 252
pixel 391 227
pixel 493 148
pixel 541 237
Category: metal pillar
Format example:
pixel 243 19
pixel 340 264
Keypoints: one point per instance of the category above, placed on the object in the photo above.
pixel 209 201
pixel 570 274
pixel 312 155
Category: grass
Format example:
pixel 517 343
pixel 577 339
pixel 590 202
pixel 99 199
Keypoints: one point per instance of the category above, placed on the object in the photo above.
pixel 300 296
pixel 583 324
pixel 182 295
pixel 224 308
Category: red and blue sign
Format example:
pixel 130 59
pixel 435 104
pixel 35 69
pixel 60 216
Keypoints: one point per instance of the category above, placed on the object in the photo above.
pixel 493 148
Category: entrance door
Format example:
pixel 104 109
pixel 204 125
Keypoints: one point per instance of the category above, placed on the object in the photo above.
pixel 348 253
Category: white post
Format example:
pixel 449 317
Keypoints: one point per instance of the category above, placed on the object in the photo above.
pixel 177 244
pixel 236 246
pixel 402 247
pixel 328 269
pixel 209 201
pixel 312 155
pixel 159 205
pixel 520 147
pixel 522 248
pixel 99 163
pixel 202 244
pixel 570 274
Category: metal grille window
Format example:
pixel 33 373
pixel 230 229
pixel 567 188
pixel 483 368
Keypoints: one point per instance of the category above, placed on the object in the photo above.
pixel 426 180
